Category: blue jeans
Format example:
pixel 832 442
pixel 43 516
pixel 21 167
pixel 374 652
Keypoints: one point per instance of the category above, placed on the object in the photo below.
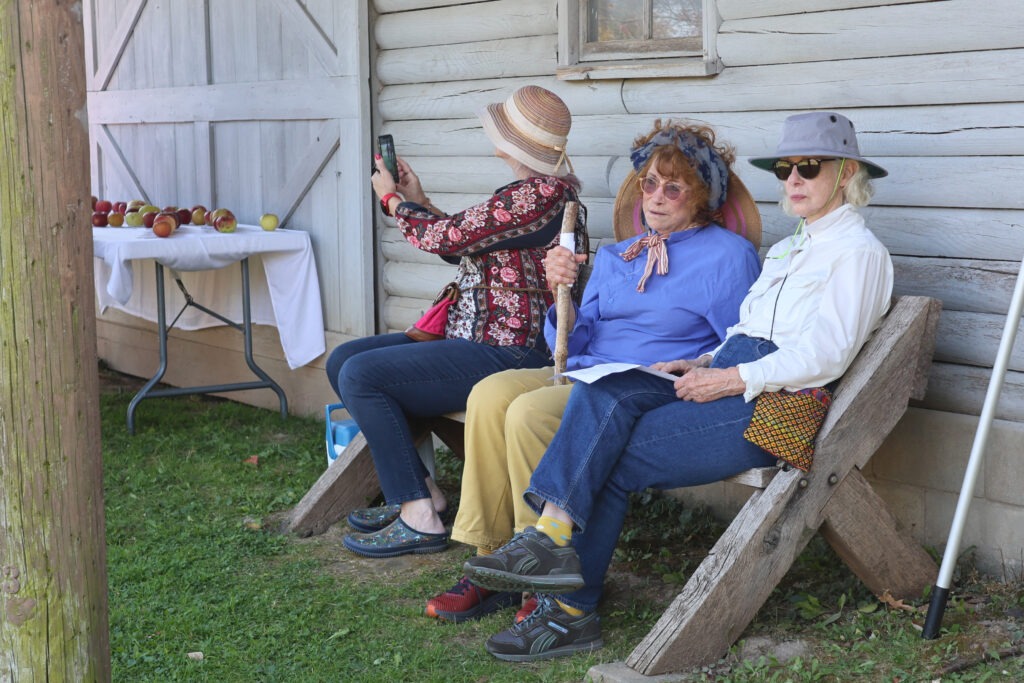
pixel 387 380
pixel 628 432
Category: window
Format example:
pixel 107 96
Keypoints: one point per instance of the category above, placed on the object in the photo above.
pixel 636 38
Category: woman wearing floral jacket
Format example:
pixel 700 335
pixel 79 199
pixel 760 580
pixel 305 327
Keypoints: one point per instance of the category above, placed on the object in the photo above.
pixel 495 322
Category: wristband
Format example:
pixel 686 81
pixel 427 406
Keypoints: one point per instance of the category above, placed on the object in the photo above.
pixel 385 200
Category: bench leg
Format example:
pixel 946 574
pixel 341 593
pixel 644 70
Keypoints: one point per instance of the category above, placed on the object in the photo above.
pixel 865 534
pixel 732 583
pixel 349 483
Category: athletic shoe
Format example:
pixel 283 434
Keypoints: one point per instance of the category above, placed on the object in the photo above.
pixel 526 610
pixel 464 601
pixel 531 561
pixel 396 539
pixel 548 632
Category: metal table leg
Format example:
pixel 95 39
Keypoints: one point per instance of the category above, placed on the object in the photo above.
pixel 245 328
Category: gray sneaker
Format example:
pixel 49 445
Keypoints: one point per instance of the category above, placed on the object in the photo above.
pixel 548 632
pixel 531 561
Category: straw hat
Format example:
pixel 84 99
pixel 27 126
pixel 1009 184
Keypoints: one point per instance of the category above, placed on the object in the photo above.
pixel 736 211
pixel 819 134
pixel 531 126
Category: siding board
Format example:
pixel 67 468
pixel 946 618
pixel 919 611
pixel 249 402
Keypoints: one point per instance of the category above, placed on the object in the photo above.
pixel 871 32
pixel 484 21
pixel 505 58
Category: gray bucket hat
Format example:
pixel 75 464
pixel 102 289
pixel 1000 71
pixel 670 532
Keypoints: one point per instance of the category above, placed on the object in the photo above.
pixel 819 134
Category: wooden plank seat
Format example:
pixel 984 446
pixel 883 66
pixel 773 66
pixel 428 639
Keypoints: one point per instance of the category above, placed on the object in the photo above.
pixel 785 510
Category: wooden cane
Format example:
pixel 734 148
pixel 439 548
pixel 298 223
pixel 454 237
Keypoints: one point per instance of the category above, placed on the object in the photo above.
pixel 563 295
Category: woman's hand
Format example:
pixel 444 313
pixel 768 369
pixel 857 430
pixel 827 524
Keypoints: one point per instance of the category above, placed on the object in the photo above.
pixel 409 183
pixel 681 367
pixel 561 266
pixel 701 385
pixel 383 183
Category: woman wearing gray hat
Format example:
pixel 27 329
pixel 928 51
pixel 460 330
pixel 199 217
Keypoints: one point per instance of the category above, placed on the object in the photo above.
pixel 821 293
pixel 489 318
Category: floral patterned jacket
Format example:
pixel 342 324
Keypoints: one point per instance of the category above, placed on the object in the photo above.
pixel 499 246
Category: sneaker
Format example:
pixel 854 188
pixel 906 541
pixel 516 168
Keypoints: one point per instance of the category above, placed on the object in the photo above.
pixel 548 632
pixel 526 610
pixel 396 539
pixel 464 601
pixel 531 561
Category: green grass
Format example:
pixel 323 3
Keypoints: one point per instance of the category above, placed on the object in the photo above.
pixel 196 564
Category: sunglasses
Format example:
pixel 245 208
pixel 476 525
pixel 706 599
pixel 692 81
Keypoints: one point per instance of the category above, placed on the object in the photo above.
pixel 808 168
pixel 672 191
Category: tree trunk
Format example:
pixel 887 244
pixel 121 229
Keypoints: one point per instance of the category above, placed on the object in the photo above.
pixel 53 595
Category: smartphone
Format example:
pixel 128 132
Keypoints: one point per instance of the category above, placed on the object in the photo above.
pixel 386 146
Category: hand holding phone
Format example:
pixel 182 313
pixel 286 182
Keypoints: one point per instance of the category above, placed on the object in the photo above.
pixel 386 149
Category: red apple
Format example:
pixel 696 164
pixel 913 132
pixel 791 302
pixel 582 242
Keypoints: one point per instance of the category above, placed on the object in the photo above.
pixel 103 205
pixel 208 218
pixel 99 218
pixel 148 218
pixel 120 207
pixel 164 225
pixel 115 219
pixel 168 209
pixel 184 216
pixel 226 222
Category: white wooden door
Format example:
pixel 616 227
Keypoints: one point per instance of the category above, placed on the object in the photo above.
pixel 256 105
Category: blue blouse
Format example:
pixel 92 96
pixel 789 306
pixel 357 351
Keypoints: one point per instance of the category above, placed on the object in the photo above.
pixel 683 314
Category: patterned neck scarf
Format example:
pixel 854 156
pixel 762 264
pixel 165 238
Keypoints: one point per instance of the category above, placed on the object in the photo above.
pixel 657 256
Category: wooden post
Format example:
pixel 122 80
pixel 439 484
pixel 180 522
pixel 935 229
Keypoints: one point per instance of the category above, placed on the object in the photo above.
pixel 53 583
pixel 563 300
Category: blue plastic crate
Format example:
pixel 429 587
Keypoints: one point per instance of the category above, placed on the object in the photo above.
pixel 339 432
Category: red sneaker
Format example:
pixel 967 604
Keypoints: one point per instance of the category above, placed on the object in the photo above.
pixel 527 609
pixel 464 601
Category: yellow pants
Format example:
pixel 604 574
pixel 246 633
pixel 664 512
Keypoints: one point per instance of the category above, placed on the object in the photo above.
pixel 511 418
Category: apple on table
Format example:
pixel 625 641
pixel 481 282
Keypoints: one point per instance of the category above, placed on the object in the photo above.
pixel 269 221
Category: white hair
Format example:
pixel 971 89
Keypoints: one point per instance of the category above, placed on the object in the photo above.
pixel 858 191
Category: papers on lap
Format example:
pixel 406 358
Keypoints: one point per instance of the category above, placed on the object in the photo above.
pixel 592 374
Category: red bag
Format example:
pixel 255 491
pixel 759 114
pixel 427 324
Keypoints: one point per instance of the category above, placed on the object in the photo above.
pixel 431 326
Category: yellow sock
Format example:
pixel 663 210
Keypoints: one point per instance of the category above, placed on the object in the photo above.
pixel 559 532
pixel 483 552
pixel 569 609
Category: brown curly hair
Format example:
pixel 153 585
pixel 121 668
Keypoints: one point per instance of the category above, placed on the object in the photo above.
pixel 671 163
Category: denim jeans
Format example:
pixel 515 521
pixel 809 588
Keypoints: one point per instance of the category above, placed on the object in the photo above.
pixel 387 380
pixel 628 432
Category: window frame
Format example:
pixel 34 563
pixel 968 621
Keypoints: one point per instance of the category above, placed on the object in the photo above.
pixel 577 63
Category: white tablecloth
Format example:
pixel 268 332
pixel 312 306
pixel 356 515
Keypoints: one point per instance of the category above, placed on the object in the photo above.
pixel 284 293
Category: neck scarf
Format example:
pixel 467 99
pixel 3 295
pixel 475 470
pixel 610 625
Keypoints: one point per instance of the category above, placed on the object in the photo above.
pixel 657 256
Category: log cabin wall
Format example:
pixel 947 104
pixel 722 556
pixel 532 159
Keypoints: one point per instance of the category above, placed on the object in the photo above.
pixel 936 90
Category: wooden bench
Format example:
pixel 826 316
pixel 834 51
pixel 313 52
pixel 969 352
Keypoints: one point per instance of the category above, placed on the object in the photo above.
pixel 785 510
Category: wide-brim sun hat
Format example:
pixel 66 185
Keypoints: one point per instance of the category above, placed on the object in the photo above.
pixel 819 134
pixel 731 202
pixel 532 127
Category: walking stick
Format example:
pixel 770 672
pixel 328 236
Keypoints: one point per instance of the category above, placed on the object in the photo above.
pixel 563 295
pixel 940 592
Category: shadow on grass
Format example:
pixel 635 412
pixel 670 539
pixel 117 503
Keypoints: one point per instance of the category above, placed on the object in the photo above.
pixel 203 588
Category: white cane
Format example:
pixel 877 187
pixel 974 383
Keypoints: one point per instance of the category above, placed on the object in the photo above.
pixel 940 592
pixel 563 294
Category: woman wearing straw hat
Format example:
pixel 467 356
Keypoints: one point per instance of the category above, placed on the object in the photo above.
pixel 821 293
pixel 490 318
pixel 672 290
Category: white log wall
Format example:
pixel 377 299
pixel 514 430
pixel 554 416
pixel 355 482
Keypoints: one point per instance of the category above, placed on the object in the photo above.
pixel 936 90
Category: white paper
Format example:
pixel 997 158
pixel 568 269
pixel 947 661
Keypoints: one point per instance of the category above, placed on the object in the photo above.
pixel 592 374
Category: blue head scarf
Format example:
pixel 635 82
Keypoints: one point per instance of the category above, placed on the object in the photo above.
pixel 708 163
